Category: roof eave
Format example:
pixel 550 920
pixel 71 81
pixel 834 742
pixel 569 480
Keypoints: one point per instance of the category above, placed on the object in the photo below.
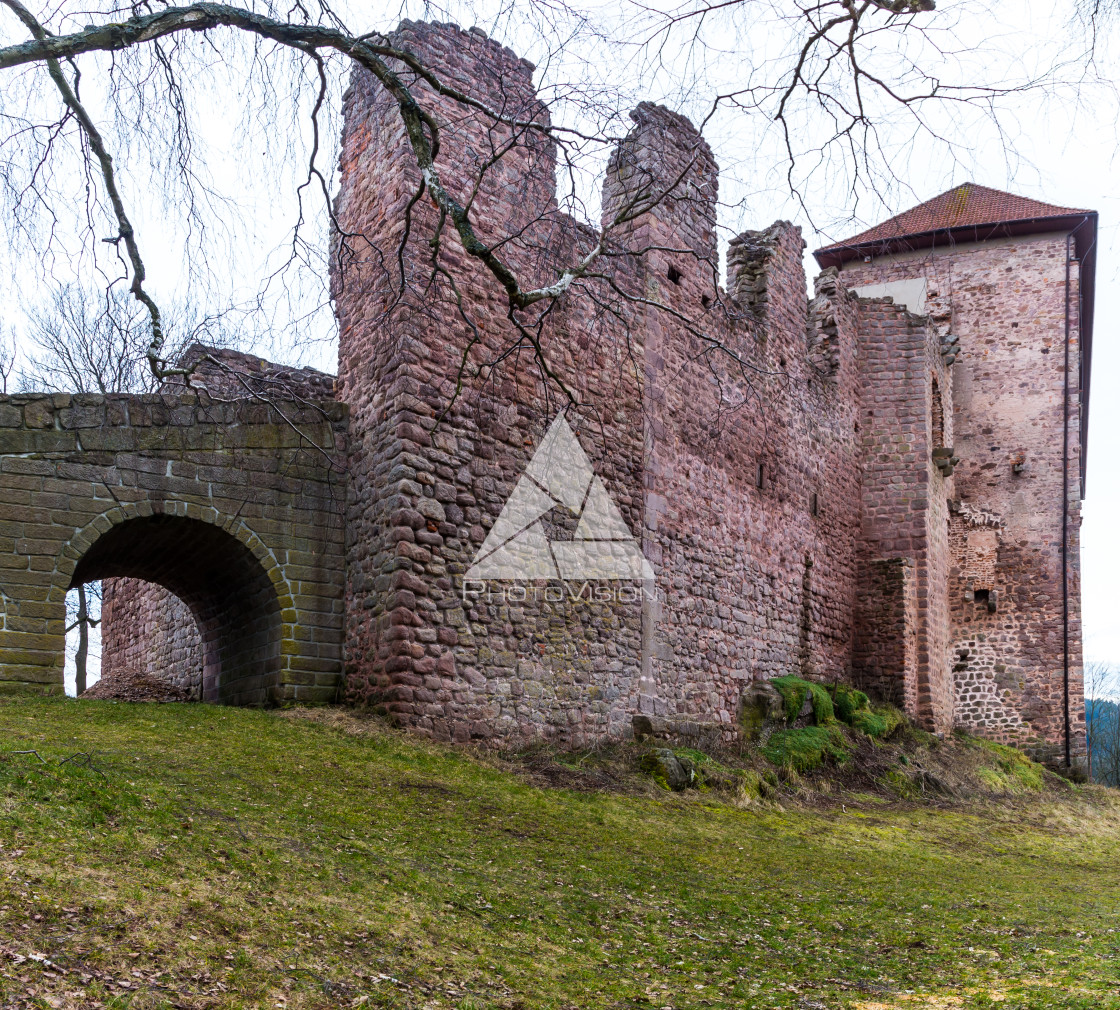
pixel 836 255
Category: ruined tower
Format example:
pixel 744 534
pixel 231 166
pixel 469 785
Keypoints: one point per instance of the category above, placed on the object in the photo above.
pixel 1008 283
pixel 874 482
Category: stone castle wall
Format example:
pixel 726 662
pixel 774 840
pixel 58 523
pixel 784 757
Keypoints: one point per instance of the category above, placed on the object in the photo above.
pixel 783 460
pixel 432 467
pixel 752 481
pixel 726 422
pixel 1006 300
pixel 902 508
pixel 147 629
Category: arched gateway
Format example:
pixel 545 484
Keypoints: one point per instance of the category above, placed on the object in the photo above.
pixel 235 506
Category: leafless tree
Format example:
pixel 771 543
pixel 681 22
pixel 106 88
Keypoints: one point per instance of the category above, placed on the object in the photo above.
pixel 86 342
pixel 96 341
pixel 7 357
pixel 853 91
pixel 1102 722
pixel 83 614
pixel 845 60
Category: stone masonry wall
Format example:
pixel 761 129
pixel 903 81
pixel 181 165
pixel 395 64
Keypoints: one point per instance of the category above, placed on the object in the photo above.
pixel 753 485
pixel 225 504
pixel 145 627
pixel 726 429
pixel 149 630
pixel 887 631
pixel 903 509
pixel 1006 300
pixel 432 467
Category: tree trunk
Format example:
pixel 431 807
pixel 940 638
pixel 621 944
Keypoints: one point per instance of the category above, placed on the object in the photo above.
pixel 83 643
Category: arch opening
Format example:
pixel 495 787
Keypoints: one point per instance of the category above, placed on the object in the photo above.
pixel 219 580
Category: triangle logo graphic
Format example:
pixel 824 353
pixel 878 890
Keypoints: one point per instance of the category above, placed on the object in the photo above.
pixel 559 474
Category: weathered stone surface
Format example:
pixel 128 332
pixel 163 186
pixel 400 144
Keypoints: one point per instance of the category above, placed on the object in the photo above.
pixel 668 769
pixel 190 535
pixel 1005 302
pixel 149 630
pixel 762 709
pixel 825 486
pixel 645 726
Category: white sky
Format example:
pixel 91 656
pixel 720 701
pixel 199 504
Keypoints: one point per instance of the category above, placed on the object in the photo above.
pixel 1059 147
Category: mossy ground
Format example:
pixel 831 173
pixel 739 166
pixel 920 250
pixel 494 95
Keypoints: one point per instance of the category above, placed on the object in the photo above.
pixel 211 857
pixel 807 748
pixel 1014 772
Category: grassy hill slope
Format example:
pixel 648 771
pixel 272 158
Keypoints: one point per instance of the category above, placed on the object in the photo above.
pixel 196 856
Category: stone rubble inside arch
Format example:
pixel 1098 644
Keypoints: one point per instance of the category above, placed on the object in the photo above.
pixel 131 685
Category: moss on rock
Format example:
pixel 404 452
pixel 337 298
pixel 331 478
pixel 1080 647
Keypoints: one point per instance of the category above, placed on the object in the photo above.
pixel 847 701
pixel 795 690
pixel 807 748
pixel 761 707
pixel 854 708
pixel 668 770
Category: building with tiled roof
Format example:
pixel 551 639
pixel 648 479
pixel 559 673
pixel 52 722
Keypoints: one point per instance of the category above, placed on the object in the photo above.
pixel 1008 282
pixel 964 213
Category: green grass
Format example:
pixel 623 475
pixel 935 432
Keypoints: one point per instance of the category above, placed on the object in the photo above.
pixel 221 858
pixel 1014 771
pixel 807 748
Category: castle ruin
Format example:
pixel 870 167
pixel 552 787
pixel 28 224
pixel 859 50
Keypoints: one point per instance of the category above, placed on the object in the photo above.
pixel 879 483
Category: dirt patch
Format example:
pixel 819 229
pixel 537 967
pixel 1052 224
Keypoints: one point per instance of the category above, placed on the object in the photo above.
pixel 129 685
pixel 607 769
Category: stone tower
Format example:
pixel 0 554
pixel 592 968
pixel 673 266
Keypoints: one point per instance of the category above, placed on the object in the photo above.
pixel 1008 284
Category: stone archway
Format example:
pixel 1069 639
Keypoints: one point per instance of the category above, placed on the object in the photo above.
pixel 225 503
pixel 235 599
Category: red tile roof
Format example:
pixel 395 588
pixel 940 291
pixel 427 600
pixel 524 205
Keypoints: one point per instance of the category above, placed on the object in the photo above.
pixel 964 206
pixel 971 213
